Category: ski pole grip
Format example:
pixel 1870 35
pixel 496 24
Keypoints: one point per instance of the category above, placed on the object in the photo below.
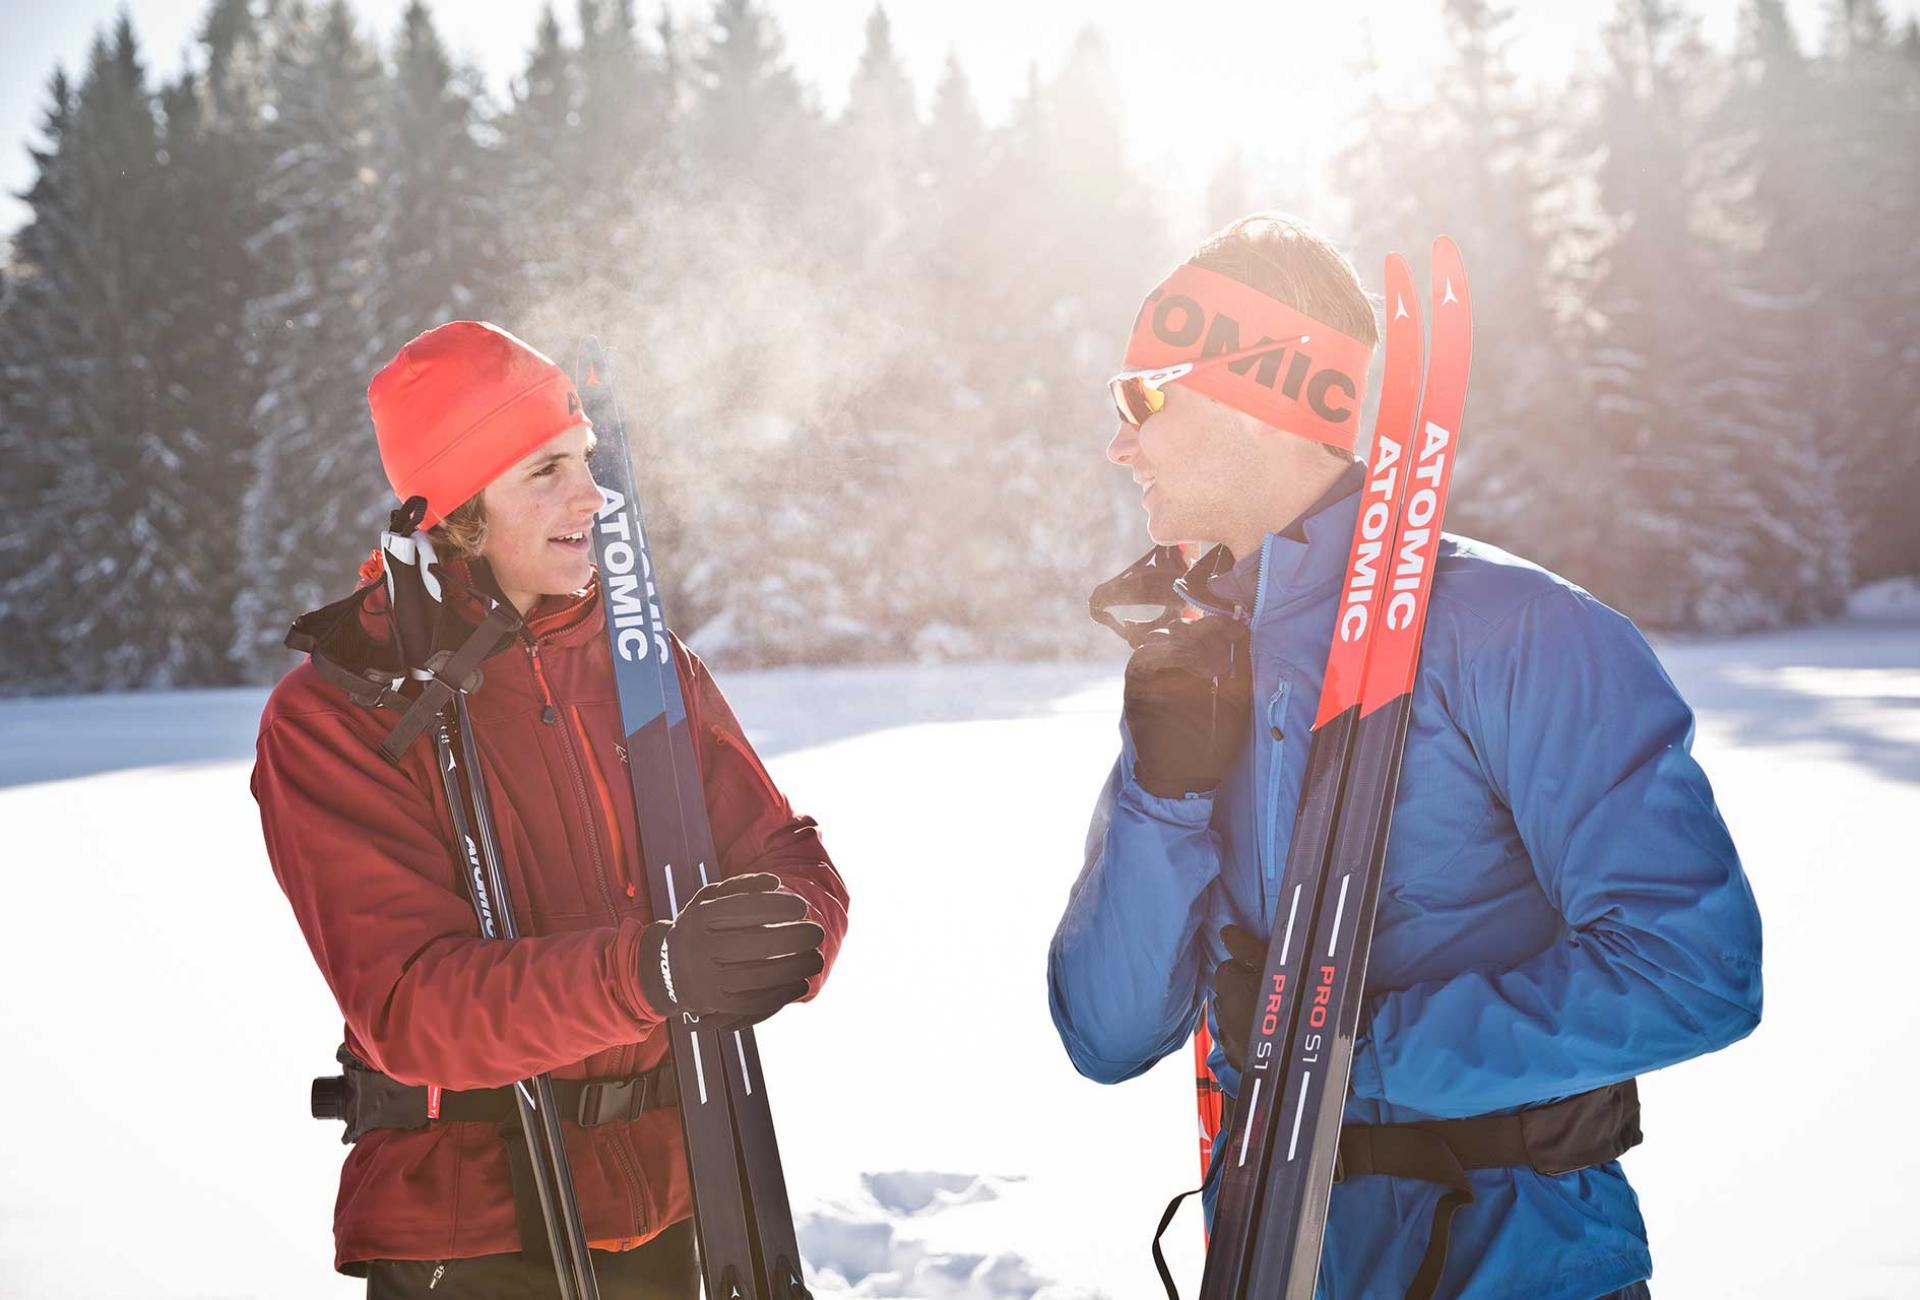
pixel 329 1097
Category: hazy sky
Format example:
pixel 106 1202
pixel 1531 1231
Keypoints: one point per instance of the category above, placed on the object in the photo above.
pixel 1198 77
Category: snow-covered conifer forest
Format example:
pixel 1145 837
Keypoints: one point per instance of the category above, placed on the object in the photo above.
pixel 864 350
pixel 863 356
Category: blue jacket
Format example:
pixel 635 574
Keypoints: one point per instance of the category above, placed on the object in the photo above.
pixel 1562 906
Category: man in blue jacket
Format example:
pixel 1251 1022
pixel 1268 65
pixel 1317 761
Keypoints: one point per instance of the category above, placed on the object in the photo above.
pixel 1562 908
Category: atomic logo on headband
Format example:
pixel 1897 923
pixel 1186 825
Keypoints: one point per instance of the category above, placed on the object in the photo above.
pixel 1310 383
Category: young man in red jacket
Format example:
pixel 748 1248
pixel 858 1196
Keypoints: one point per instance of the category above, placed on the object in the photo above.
pixel 491 433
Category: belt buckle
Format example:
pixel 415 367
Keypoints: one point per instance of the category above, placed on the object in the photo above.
pixel 610 1101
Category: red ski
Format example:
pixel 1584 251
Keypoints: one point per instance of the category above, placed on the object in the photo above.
pixel 1285 1137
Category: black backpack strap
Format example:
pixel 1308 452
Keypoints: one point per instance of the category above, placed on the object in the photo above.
pixel 1580 1132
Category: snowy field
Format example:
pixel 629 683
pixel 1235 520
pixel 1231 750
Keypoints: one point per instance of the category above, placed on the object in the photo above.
pixel 937 1142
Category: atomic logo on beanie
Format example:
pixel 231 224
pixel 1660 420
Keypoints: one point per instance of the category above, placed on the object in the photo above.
pixel 458 405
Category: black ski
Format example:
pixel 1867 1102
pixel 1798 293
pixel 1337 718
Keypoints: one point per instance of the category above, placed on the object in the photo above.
pixel 742 1217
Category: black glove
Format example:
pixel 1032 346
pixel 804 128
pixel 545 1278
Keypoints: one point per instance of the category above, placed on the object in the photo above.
pixel 740 950
pixel 1189 697
pixel 1236 990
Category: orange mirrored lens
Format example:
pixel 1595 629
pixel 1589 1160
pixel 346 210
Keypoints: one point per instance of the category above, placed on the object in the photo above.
pixel 1135 400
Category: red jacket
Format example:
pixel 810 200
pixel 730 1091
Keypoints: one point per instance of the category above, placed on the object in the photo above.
pixel 365 854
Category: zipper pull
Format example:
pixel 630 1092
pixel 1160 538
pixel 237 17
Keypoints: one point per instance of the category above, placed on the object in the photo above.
pixel 551 713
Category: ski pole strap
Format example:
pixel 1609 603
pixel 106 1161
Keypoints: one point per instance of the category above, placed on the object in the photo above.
pixel 368 1100
pixel 340 651
pixel 450 673
pixel 1159 1259
pixel 1590 1129
pixel 319 632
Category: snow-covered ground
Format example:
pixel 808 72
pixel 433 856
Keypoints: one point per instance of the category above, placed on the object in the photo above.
pixel 161 1016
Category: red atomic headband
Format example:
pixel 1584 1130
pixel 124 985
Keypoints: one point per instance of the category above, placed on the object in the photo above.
pixel 1310 385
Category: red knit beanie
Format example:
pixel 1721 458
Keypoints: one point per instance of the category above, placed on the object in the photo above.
pixel 459 405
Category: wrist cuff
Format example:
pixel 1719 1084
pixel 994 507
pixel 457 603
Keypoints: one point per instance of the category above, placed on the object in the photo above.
pixel 656 971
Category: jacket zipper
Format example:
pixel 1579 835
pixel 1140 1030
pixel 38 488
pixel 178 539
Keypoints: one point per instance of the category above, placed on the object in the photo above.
pixel 1269 885
pixel 551 714
pixel 575 773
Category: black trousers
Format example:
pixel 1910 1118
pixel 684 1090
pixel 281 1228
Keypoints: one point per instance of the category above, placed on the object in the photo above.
pixel 1638 1291
pixel 663 1269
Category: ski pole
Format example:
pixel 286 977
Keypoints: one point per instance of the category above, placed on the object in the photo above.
pixel 538 1112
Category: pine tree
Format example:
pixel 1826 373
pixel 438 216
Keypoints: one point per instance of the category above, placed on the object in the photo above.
pixel 1770 127
pixel 121 606
pixel 876 141
pixel 955 140
pixel 750 125
pixel 625 155
pixel 1074 245
pixel 1865 259
pixel 1471 158
pixel 537 162
pixel 441 239
pixel 951 248
pixel 1722 516
pixel 1644 357
pixel 41 363
pixel 213 165
pixel 317 494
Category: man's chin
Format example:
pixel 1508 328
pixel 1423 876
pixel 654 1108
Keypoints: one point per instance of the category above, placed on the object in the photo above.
pixel 1165 530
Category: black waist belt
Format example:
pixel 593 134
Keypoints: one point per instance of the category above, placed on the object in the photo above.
pixel 1578 1133
pixel 367 1100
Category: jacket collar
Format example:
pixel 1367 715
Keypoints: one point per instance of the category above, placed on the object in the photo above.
pixel 1291 566
pixel 570 619
pixel 565 620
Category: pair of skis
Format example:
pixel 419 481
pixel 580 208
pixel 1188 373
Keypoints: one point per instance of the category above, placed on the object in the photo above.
pixel 741 1213
pixel 1281 1150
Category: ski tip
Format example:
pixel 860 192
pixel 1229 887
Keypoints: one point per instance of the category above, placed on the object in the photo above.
pixel 1449 273
pixel 1402 303
pixel 588 356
